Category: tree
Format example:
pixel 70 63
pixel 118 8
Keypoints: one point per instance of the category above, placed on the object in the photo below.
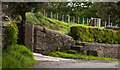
pixel 20 8
pixel 105 9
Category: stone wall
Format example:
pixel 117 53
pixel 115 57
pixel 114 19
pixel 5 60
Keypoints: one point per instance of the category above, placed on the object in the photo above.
pixel 46 41
pixel 100 49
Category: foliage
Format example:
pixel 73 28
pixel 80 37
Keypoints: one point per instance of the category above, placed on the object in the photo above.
pixel 17 56
pixel 20 8
pixel 69 8
pixel 66 55
pixel 32 18
pixel 104 9
pixel 16 9
pixel 11 33
pixel 95 34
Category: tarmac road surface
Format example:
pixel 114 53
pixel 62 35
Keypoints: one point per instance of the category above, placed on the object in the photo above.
pixel 55 62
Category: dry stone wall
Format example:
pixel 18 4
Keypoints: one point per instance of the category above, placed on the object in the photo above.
pixel 44 41
pixel 47 40
pixel 103 50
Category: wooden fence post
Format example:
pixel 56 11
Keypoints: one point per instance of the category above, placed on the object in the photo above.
pixel 111 24
pixel 68 18
pixel 54 16
pixel 105 24
pixel 57 16
pixel 83 20
pixel 62 18
pixel 44 13
pixel 99 22
pixel 51 14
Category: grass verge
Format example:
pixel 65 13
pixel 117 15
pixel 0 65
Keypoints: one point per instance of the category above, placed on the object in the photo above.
pixel 17 56
pixel 66 55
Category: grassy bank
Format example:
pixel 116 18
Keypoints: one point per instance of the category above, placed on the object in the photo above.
pixel 50 23
pixel 17 56
pixel 66 55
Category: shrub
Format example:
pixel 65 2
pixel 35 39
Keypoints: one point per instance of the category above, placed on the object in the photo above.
pixel 11 33
pixel 17 56
pixel 94 34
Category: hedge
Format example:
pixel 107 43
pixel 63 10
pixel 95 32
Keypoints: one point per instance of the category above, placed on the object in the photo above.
pixel 95 34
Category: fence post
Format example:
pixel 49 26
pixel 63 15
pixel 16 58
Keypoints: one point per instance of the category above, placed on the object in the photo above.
pixel 54 16
pixel 83 20
pixel 111 24
pixel 44 13
pixel 99 23
pixel 51 14
pixel 105 24
pixel 68 18
pixel 109 20
pixel 57 16
pixel 62 18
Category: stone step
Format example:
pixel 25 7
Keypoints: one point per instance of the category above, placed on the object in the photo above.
pixel 77 47
pixel 80 43
pixel 71 51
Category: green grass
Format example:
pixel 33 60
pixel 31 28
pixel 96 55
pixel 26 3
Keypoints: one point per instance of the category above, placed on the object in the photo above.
pixel 17 56
pixel 66 55
pixel 49 23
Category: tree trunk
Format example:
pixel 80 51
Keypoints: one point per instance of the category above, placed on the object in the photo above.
pixel 21 34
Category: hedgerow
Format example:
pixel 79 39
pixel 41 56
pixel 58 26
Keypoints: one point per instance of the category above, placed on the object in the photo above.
pixel 95 34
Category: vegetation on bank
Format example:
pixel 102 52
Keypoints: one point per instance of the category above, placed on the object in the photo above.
pixel 94 34
pixel 17 56
pixel 50 23
pixel 74 56
pixel 14 55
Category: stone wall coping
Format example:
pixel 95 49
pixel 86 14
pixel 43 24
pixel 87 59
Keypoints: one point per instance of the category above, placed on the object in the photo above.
pixel 107 45
pixel 38 27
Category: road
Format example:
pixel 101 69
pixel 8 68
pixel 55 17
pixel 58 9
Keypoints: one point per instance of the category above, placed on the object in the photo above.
pixel 55 62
